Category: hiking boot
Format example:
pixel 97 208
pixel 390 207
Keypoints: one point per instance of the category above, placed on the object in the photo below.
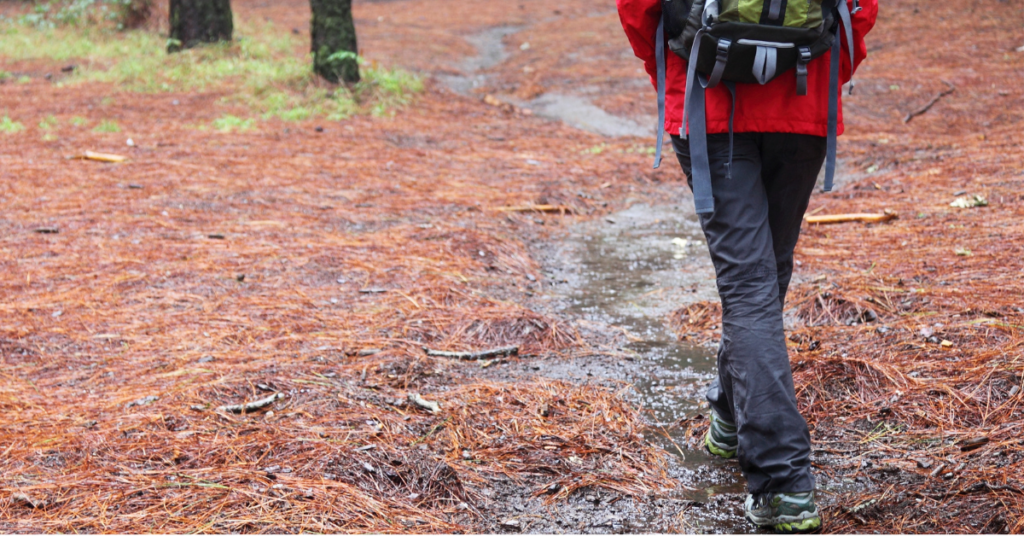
pixel 721 438
pixel 786 513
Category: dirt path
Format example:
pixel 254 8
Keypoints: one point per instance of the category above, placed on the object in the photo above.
pixel 217 268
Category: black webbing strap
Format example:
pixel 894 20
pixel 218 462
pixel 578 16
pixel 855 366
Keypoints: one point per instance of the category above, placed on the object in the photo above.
pixel 659 58
pixel 801 70
pixel 833 112
pixel 731 86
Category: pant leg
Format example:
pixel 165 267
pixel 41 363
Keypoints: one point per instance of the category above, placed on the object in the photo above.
pixel 789 168
pixel 755 380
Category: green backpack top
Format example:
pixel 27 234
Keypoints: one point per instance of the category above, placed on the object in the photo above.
pixel 746 42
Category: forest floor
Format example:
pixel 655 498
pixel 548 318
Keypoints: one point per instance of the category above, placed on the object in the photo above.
pixel 240 254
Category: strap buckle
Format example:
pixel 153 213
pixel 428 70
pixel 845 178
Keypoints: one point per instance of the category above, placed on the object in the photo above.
pixel 722 51
pixel 856 7
pixel 805 55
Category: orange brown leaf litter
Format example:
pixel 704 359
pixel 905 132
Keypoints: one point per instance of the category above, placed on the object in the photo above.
pixel 132 300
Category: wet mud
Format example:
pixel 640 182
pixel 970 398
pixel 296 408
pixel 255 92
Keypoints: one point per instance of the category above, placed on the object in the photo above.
pixel 575 110
pixel 618 278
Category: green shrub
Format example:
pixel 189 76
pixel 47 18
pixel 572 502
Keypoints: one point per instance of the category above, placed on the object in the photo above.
pixel 7 126
pixel 107 125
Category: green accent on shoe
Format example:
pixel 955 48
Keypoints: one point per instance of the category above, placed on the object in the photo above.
pixel 784 512
pixel 714 449
pixel 807 525
pixel 721 439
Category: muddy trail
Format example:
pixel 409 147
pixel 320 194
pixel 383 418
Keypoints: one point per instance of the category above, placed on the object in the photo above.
pixel 312 261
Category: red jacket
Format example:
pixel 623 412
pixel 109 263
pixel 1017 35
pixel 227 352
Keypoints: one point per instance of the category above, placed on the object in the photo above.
pixel 773 107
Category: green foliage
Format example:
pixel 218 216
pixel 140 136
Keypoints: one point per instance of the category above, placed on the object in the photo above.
pixel 123 14
pixel 78 121
pixel 7 126
pixel 107 126
pixel 48 123
pixel 228 123
pixel 261 70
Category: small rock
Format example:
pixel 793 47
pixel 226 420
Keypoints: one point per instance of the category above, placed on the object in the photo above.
pixel 27 501
pixel 882 330
pixel 216 236
pixel 240 278
pixel 205 359
pixel 933 340
pixel 319 129
pixel 511 524
pixel 923 463
pixel 175 102
pixel 143 401
pixel 1013 391
pixel 68 68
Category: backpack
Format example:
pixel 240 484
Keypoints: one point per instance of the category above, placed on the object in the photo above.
pixel 746 42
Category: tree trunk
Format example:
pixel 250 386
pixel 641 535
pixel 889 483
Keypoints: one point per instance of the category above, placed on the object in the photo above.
pixel 199 21
pixel 334 40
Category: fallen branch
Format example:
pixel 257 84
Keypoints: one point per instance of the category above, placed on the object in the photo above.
pixel 843 218
pixel 428 405
pixel 102 157
pixel 252 406
pixel 496 352
pixel 931 103
pixel 561 209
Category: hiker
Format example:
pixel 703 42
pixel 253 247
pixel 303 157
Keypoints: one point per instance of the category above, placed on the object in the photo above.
pixel 762 113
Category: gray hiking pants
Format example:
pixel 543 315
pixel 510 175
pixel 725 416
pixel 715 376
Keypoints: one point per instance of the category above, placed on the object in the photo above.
pixel 751 236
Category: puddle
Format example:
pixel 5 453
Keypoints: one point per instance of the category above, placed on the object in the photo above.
pixel 578 112
pixel 573 110
pixel 491 51
pixel 624 274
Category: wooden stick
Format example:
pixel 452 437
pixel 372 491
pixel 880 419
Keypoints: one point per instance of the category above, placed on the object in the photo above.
pixel 252 406
pixel 103 157
pixel 496 352
pixel 428 405
pixel 562 209
pixel 931 103
pixel 843 218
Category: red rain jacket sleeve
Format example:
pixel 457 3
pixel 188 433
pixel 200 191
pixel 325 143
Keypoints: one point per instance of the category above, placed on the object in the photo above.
pixel 773 107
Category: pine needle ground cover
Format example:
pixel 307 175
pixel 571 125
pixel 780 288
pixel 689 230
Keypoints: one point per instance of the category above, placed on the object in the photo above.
pixel 235 256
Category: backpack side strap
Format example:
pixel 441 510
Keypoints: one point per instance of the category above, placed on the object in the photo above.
pixel 659 58
pixel 833 112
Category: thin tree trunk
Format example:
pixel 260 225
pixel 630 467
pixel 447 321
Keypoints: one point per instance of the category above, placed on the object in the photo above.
pixel 199 21
pixel 334 40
